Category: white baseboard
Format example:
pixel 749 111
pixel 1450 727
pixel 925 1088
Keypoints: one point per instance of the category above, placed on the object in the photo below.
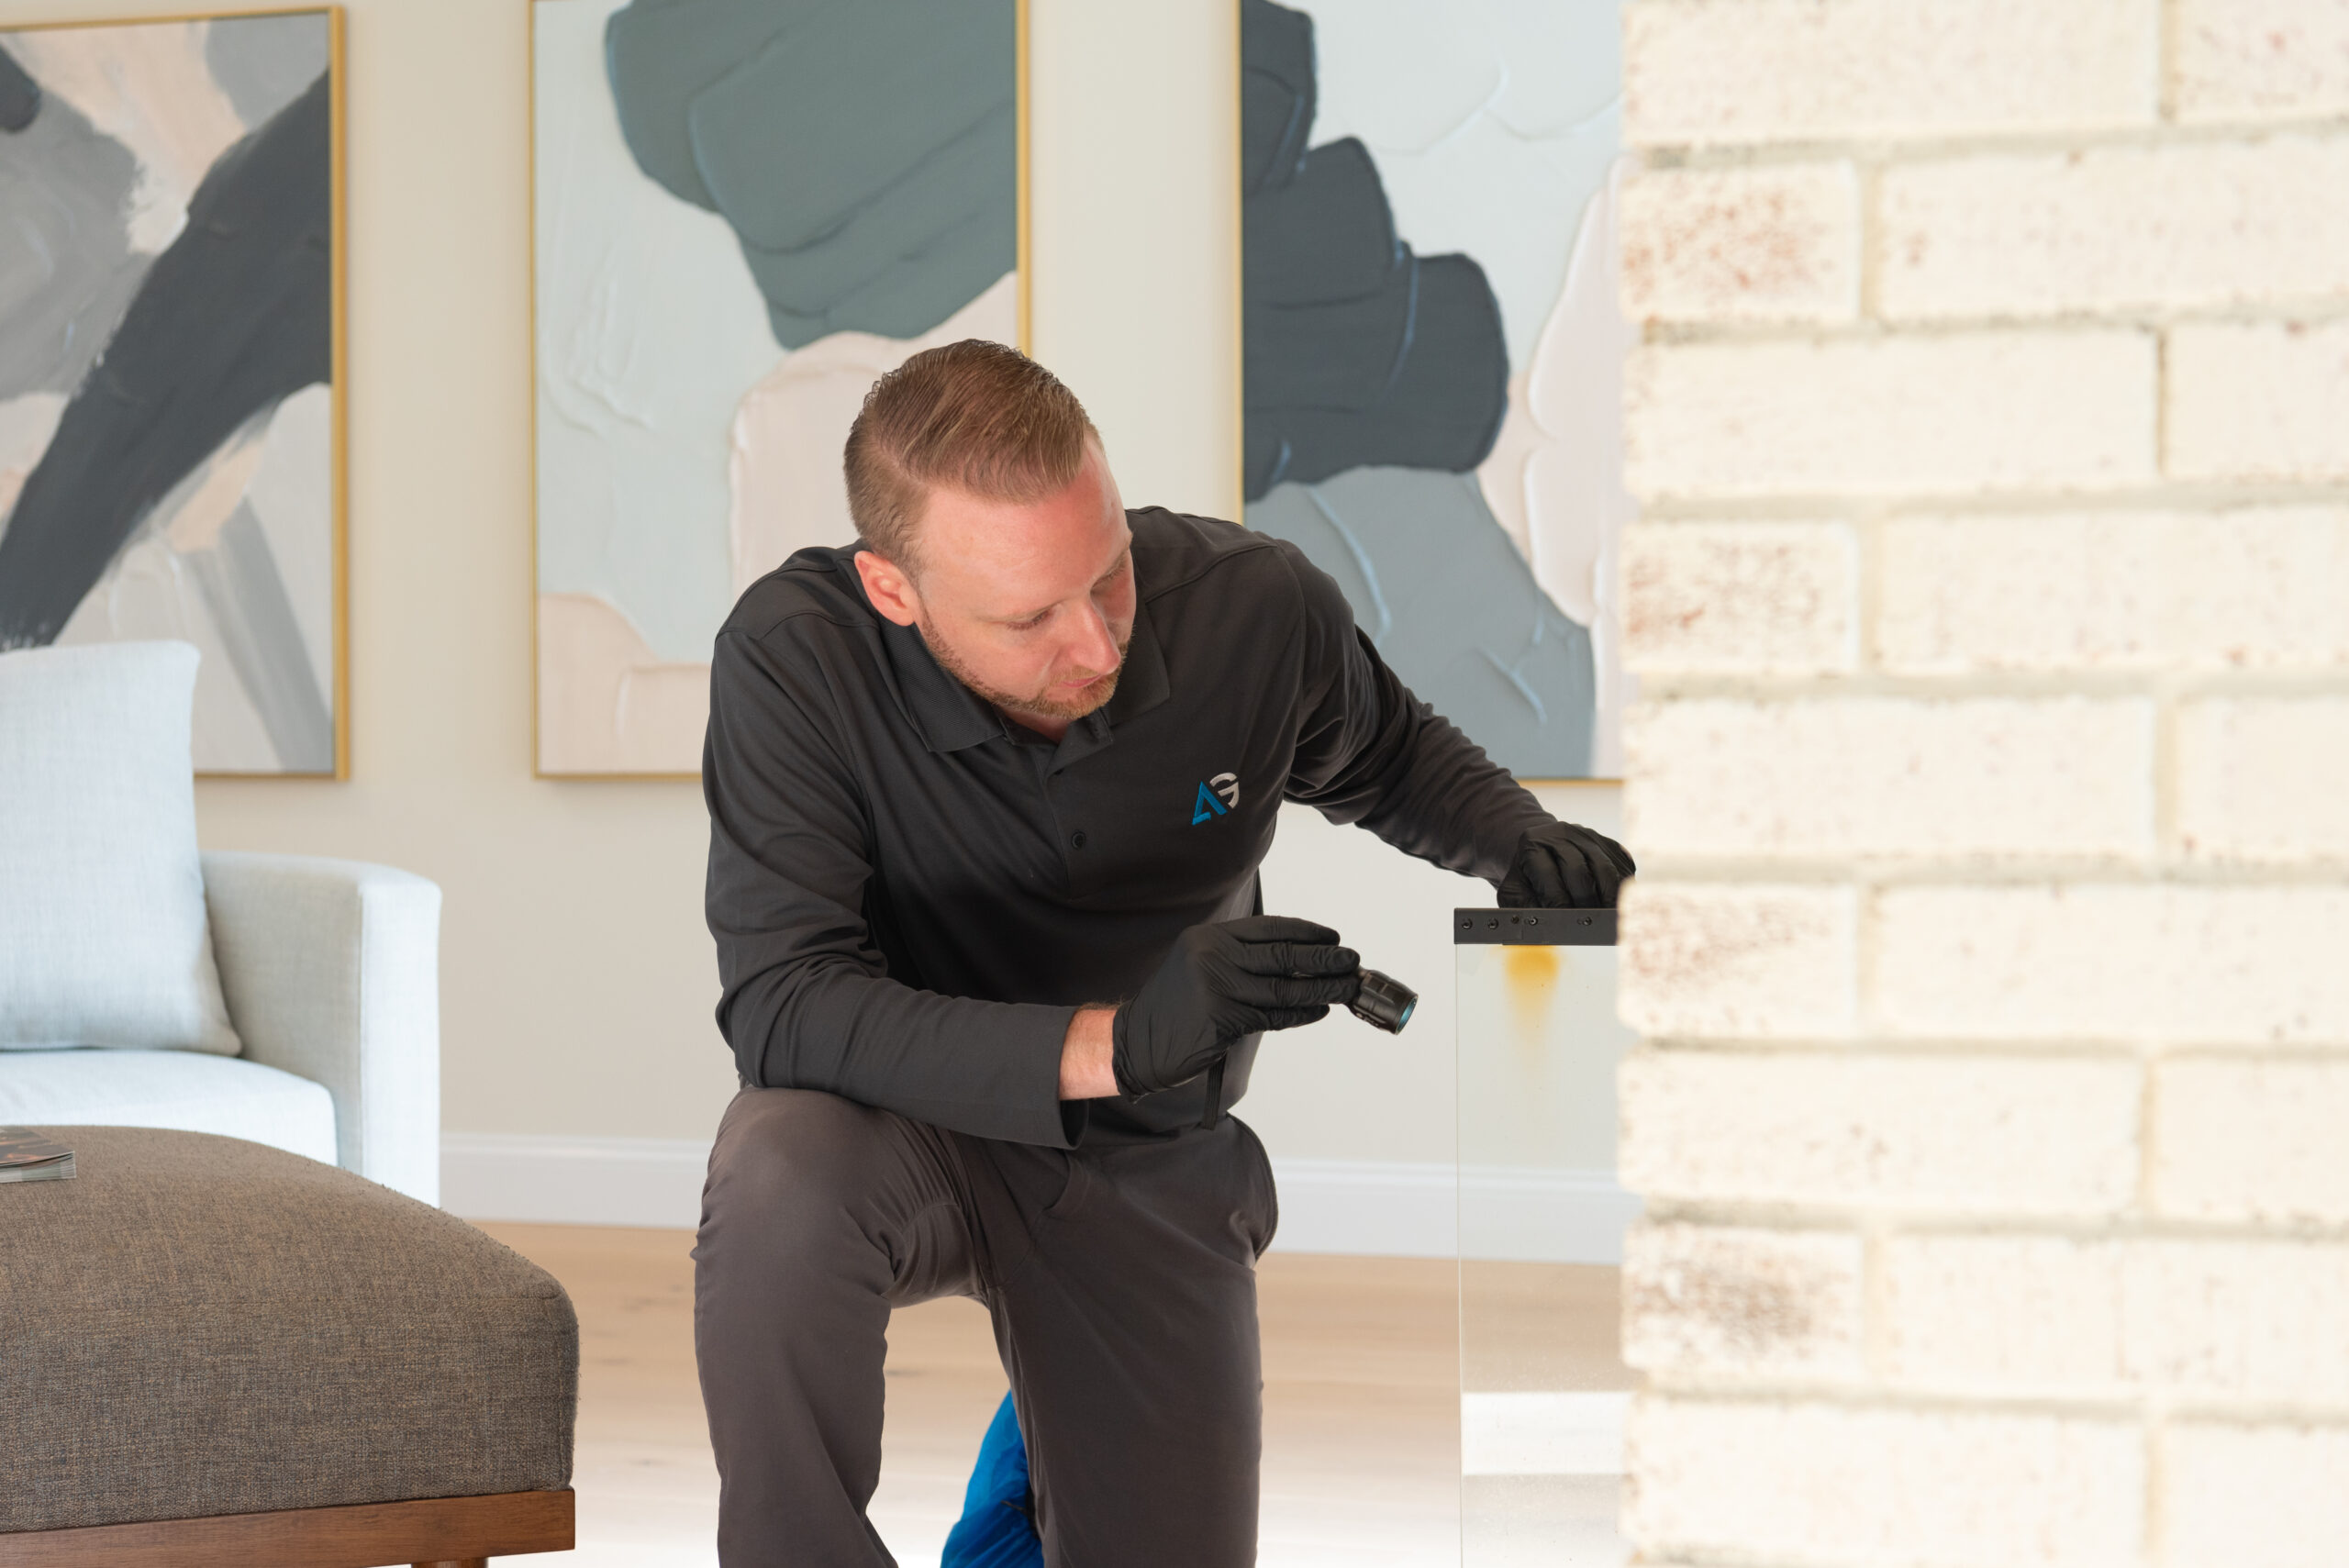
pixel 1367 1207
pixel 1394 1208
pixel 651 1181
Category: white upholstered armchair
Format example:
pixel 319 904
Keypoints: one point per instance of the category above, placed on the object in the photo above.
pixel 321 1034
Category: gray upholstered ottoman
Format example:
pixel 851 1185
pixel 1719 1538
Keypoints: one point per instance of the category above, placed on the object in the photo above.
pixel 217 1352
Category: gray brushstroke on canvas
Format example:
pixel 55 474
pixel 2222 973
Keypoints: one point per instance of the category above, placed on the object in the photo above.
pixel 232 318
pixel 20 94
pixel 1444 597
pixel 255 618
pixel 864 153
pixel 262 63
pixel 1357 351
pixel 67 272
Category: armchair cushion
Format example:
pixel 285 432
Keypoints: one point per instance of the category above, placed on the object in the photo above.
pixel 103 933
pixel 193 1091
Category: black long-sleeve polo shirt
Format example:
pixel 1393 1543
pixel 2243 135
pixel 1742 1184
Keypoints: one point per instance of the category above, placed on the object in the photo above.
pixel 911 897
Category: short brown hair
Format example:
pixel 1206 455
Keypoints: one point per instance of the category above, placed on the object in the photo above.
pixel 974 417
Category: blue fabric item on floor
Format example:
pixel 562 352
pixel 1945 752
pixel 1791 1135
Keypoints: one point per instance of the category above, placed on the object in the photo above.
pixel 994 1531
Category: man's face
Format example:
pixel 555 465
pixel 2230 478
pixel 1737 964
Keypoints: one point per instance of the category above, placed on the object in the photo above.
pixel 1029 604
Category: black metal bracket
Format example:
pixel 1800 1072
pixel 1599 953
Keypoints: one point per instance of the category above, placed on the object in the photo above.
pixel 1534 928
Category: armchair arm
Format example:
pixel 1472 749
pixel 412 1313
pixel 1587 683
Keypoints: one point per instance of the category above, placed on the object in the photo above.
pixel 331 972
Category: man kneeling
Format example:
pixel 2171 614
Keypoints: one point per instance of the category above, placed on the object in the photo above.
pixel 988 791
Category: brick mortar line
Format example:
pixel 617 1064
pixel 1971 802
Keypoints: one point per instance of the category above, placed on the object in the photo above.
pixel 1867 230
pixel 2150 1143
pixel 2019 1050
pixel 2062 321
pixel 1887 1223
pixel 1895 870
pixel 2162 377
pixel 2206 497
pixel 1875 1291
pixel 1891 150
pixel 2154 1408
pixel 2119 1227
pixel 1662 687
pixel 2114 1410
pixel 1684 1557
pixel 1992 500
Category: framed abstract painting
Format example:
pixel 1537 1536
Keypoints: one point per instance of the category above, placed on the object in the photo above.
pixel 171 363
pixel 1432 352
pixel 744 211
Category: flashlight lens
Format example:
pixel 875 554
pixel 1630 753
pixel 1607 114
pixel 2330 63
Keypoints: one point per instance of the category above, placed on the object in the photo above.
pixel 1384 1002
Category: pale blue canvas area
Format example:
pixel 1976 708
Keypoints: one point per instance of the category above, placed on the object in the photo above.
pixel 1448 602
pixel 722 182
pixel 865 155
pixel 1378 375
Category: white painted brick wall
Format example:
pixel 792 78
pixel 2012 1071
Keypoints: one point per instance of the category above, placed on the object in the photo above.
pixel 2265 779
pixel 1820 1484
pixel 2014 1315
pixel 1892 776
pixel 2256 1321
pixel 2259 400
pixel 1740 598
pixel 1743 71
pixel 2254 1496
pixel 2115 228
pixel 1739 1301
pixel 2252 589
pixel 2248 966
pixel 2252 1142
pixel 2253 59
pixel 2054 1316
pixel 1990 776
pixel 1751 962
pixel 1780 242
pixel 2071 411
pixel 1994 1134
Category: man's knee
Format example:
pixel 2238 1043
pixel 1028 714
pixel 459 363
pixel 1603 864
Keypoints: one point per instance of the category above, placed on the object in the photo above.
pixel 788 1155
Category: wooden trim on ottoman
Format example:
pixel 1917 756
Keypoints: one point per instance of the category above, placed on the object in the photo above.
pixel 363 1535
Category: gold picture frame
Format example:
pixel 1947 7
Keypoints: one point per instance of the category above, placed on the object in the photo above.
pixel 336 682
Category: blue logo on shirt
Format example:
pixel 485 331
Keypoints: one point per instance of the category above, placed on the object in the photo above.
pixel 1218 796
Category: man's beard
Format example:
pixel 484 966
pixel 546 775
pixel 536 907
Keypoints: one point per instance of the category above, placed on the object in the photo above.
pixel 1038 706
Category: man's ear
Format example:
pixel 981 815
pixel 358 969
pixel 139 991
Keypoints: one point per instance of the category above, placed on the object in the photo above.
pixel 888 588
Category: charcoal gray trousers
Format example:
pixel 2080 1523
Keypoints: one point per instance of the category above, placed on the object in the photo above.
pixel 1122 1282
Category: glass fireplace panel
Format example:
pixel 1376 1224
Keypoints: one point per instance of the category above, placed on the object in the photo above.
pixel 1542 1384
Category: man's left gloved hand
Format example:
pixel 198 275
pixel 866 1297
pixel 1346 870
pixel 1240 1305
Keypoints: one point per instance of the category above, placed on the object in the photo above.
pixel 1561 866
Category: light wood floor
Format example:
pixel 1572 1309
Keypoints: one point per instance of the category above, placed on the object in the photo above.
pixel 1362 1378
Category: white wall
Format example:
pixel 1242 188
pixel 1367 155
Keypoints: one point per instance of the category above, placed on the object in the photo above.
pixel 577 975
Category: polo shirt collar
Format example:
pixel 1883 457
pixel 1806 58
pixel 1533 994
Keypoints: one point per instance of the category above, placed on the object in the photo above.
pixel 1141 684
pixel 945 713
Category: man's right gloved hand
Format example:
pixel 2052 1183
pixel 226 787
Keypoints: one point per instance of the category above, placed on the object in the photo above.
pixel 1220 981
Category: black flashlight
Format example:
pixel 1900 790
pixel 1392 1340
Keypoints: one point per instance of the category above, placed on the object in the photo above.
pixel 1384 1002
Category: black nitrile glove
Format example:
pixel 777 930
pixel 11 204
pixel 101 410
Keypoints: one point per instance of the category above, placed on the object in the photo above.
pixel 1561 866
pixel 1220 981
